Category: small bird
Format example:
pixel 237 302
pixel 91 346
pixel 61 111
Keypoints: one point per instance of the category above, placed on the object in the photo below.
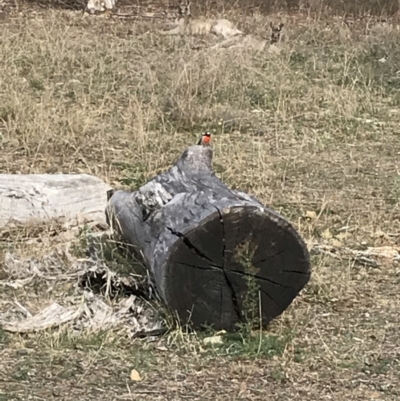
pixel 205 139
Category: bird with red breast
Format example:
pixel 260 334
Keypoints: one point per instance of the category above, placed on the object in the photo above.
pixel 205 139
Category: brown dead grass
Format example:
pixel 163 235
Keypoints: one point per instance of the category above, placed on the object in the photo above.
pixel 314 129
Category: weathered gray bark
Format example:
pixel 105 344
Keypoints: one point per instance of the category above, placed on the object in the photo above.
pixel 24 197
pixel 217 256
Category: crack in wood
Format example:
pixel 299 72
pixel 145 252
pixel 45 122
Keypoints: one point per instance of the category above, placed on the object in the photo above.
pixel 271 257
pixel 221 299
pixel 223 237
pixel 228 282
pixel 271 298
pixel 187 242
pixel 260 278
pixel 296 272
pixel 233 295
pixel 211 268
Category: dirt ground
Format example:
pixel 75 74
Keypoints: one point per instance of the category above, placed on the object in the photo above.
pixel 313 132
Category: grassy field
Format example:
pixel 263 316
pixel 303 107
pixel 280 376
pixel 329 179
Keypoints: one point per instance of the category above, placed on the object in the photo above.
pixel 313 132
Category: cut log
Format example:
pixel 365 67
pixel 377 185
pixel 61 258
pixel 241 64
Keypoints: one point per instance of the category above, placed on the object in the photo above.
pixel 75 197
pixel 219 27
pixel 217 256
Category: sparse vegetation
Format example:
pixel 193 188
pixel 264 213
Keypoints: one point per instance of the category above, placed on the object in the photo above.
pixel 244 254
pixel 313 132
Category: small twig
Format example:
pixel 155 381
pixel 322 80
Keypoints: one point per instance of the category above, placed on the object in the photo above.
pixel 23 309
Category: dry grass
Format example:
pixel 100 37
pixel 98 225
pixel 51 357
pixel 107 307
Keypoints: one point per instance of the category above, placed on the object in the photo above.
pixel 315 128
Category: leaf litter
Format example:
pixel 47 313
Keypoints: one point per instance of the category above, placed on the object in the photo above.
pixel 106 305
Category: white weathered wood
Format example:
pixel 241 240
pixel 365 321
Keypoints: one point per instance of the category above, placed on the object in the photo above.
pixel 99 6
pixel 53 315
pixel 24 197
pixel 220 27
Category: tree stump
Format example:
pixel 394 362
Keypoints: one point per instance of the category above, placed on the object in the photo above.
pixel 217 257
